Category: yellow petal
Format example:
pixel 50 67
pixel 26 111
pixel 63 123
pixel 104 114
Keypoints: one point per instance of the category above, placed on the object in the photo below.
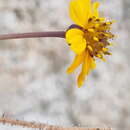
pixel 75 37
pixel 81 79
pixel 95 39
pixel 77 61
pixel 78 45
pixel 80 11
pixel 85 69
pixel 71 33
pixel 105 49
pixel 95 9
pixel 93 64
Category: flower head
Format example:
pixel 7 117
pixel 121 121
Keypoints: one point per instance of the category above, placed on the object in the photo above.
pixel 88 37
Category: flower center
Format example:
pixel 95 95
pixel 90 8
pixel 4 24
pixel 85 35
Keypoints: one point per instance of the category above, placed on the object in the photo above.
pixel 97 33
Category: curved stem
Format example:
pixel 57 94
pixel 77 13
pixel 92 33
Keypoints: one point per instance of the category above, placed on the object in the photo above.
pixel 60 34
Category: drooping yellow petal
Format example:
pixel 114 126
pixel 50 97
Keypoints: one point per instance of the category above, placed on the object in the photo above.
pixel 85 69
pixel 77 61
pixel 81 79
pixel 80 11
pixel 75 37
pixel 95 9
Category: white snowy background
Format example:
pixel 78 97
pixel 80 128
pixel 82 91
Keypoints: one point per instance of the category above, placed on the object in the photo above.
pixel 34 85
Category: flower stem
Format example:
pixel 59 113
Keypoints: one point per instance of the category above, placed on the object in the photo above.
pixel 60 34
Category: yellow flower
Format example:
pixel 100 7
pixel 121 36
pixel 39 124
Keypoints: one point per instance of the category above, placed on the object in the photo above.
pixel 88 37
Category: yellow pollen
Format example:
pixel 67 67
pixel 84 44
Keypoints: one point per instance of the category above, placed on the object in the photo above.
pixel 107 35
pixel 99 55
pixel 108 23
pixel 96 25
pixel 91 30
pixel 90 48
pixel 105 49
pixel 95 39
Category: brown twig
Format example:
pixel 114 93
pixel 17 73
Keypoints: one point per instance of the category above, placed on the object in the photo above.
pixel 12 122
pixel 60 34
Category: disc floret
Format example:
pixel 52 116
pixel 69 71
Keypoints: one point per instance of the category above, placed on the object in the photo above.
pixel 97 35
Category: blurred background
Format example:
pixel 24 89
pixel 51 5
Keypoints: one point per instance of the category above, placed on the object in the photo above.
pixel 34 85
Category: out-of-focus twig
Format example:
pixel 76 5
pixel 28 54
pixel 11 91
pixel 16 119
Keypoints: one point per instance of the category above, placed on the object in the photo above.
pixel 13 122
